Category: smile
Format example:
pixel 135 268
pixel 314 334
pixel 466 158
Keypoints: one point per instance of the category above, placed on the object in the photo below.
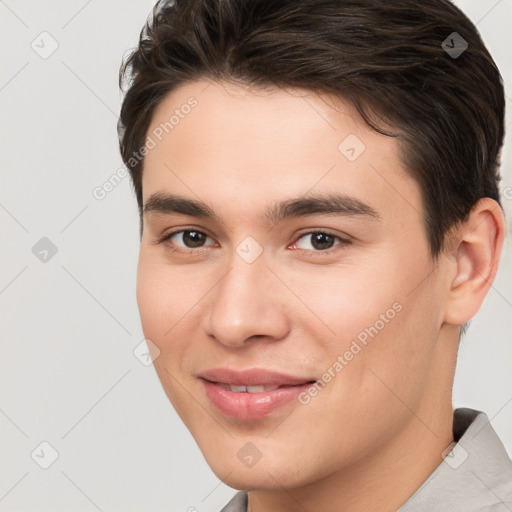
pixel 251 394
pixel 246 389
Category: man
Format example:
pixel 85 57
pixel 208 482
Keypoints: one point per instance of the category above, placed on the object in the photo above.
pixel 320 217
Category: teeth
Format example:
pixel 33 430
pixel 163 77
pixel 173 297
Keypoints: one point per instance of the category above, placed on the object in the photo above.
pixel 246 389
pixel 256 389
pixel 238 389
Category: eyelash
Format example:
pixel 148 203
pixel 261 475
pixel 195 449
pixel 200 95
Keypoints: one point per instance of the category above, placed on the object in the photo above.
pixel 309 253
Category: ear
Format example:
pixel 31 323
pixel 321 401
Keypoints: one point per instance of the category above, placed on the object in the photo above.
pixel 475 254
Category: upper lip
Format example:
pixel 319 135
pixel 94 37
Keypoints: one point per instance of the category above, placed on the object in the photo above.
pixel 252 377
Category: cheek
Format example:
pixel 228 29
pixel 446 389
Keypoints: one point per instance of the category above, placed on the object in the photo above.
pixel 163 301
pixel 368 313
pixel 152 300
pixel 342 301
pixel 165 304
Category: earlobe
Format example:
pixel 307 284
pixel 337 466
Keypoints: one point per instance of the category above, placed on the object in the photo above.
pixel 480 240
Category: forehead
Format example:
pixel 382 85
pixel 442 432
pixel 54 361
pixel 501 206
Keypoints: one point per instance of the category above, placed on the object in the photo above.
pixel 238 148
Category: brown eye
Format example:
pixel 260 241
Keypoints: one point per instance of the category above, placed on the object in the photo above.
pixel 185 240
pixel 322 241
pixel 191 239
pixel 319 241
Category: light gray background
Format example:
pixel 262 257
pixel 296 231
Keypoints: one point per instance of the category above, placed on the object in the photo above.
pixel 69 325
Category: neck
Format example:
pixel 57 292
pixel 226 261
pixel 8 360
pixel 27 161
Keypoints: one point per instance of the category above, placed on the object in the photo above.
pixel 383 481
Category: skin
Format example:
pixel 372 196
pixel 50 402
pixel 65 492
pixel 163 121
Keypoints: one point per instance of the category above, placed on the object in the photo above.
pixel 377 430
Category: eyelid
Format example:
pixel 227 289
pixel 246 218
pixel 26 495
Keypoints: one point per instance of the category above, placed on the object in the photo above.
pixel 327 231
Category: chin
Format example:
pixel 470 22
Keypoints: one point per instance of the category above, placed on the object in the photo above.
pixel 252 480
pixel 263 475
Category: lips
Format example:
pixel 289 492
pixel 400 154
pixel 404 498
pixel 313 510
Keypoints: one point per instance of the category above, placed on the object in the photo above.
pixel 246 389
pixel 252 377
pixel 251 394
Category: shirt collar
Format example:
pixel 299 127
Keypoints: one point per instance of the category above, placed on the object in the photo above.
pixel 476 471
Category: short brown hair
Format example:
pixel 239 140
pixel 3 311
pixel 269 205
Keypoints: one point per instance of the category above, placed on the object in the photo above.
pixel 391 60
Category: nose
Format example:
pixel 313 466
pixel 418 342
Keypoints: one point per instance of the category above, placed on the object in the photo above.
pixel 248 303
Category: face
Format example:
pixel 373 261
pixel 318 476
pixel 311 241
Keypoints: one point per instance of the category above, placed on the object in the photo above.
pixel 305 267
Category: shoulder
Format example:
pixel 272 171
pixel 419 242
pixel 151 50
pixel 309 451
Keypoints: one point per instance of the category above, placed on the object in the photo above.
pixel 237 504
pixel 502 506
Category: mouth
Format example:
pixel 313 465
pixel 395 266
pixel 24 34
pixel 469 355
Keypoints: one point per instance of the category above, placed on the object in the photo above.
pixel 251 394
pixel 251 378
pixel 246 389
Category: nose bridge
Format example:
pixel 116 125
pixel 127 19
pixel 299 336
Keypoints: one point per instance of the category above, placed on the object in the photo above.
pixel 244 303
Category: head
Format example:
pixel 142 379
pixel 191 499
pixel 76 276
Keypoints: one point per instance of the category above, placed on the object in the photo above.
pixel 318 192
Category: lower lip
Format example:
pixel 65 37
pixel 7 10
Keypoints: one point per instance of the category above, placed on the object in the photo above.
pixel 251 406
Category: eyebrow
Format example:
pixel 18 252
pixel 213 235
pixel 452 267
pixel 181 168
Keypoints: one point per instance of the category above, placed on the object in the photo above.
pixel 311 204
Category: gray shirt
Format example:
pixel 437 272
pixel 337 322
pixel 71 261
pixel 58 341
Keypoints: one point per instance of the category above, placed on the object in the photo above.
pixel 475 475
